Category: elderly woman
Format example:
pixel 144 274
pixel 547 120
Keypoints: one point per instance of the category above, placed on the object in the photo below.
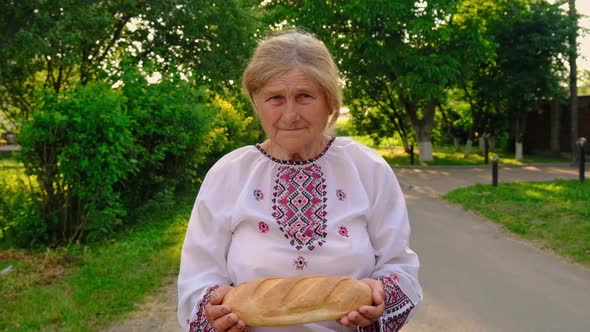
pixel 301 202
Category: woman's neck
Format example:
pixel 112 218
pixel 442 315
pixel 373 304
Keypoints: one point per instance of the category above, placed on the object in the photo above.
pixel 305 153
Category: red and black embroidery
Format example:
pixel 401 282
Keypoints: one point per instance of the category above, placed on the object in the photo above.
pixel 299 205
pixel 340 194
pixel 397 307
pixel 343 231
pixel 263 227
pixel 200 322
pixel 258 195
pixel 300 263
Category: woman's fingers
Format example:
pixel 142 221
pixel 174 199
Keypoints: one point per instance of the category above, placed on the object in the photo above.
pixel 229 322
pixel 214 312
pixel 358 319
pixel 220 316
pixel 372 313
pixel 367 315
pixel 377 290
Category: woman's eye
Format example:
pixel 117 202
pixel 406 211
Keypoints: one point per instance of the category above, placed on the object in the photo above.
pixel 304 97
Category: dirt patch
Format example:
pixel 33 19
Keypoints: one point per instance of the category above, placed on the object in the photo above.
pixel 30 269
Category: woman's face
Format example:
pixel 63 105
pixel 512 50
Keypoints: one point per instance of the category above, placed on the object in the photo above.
pixel 293 111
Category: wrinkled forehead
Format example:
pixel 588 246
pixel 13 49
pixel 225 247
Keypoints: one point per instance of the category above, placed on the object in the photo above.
pixel 294 79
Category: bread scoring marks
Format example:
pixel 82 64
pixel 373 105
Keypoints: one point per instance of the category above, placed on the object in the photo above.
pixel 198 320
pixel 299 205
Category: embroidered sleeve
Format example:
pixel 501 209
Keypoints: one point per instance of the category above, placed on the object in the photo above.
pixel 397 307
pixel 198 321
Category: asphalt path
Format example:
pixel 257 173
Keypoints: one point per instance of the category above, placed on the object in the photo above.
pixel 478 277
pixel 475 275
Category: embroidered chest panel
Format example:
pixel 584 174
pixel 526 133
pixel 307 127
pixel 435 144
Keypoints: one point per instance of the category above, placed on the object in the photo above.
pixel 299 205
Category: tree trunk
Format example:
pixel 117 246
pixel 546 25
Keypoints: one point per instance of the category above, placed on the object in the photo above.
pixel 555 127
pixel 406 144
pixel 573 80
pixel 468 146
pixel 519 133
pixel 422 127
pixel 469 143
pixel 518 150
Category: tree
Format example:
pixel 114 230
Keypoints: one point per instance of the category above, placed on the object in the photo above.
pixel 51 45
pixel 526 42
pixel 394 56
pixel 573 48
pixel 98 137
pixel 532 41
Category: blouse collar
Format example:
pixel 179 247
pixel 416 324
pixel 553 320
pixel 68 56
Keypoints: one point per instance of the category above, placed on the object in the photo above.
pixel 296 162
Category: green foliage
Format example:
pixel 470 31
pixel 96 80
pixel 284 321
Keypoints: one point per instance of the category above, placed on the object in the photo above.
pixel 584 83
pixel 551 214
pixel 345 127
pixel 57 44
pixel 168 122
pixel 395 57
pixel 521 65
pixel 88 287
pixel 77 147
pixel 230 129
pixel 20 224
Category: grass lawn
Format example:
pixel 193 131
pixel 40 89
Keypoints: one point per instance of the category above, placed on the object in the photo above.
pixel 446 155
pixel 553 215
pixel 87 287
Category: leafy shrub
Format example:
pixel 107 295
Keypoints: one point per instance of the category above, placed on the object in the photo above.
pixel 76 148
pixel 345 127
pixel 20 224
pixel 230 129
pixel 168 122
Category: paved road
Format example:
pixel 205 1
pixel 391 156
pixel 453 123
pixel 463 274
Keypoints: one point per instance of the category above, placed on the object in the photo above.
pixel 475 276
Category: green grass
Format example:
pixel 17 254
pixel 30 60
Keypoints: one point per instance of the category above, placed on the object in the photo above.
pixel 553 215
pixel 394 153
pixel 86 287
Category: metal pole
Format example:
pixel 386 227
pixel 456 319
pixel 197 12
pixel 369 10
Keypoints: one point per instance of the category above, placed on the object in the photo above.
pixel 495 171
pixel 411 153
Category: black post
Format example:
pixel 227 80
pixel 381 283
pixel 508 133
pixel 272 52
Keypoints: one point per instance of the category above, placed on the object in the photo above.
pixel 580 143
pixel 411 153
pixel 495 171
pixel 486 148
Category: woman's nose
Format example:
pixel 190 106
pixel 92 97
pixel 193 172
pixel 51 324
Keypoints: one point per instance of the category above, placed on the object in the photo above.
pixel 291 111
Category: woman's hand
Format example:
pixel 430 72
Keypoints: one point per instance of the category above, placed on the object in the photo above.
pixel 220 316
pixel 367 315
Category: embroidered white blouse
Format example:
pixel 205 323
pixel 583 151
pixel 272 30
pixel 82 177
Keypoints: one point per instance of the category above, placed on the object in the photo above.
pixel 341 213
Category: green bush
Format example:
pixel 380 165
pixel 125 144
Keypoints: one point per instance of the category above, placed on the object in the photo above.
pixel 76 147
pixel 230 129
pixel 345 127
pixel 20 224
pixel 100 153
pixel 168 123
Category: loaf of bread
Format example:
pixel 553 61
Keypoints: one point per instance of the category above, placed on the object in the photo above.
pixel 297 300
